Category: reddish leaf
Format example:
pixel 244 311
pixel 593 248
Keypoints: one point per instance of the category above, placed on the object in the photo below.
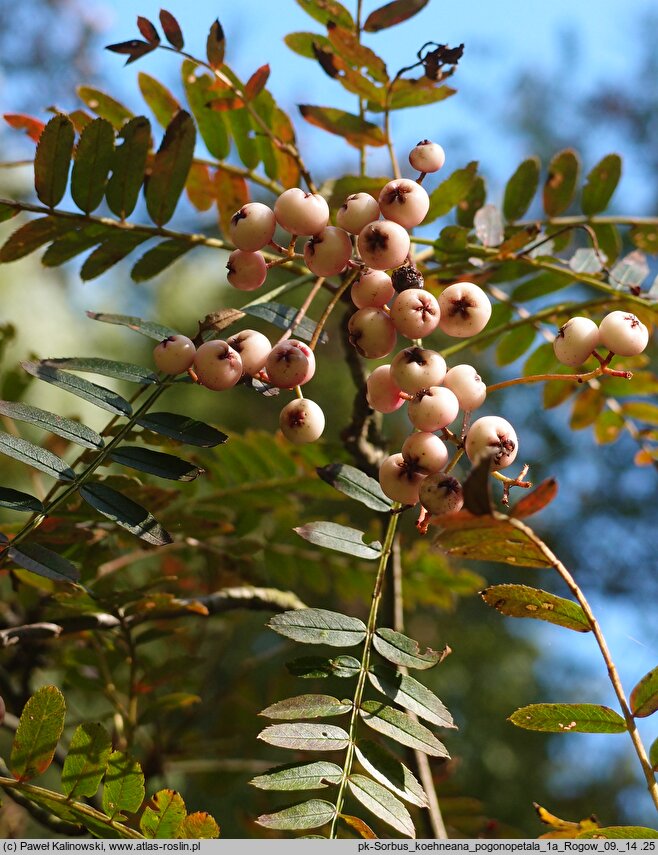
pixel 287 166
pixel 534 502
pixel 171 29
pixel 199 826
pixel 200 188
pixel 354 129
pixel 231 102
pixel 216 45
pixel 392 14
pixel 19 121
pixel 232 193
pixel 147 29
pixel 80 120
pixel 349 47
pixel 135 49
pixel 257 81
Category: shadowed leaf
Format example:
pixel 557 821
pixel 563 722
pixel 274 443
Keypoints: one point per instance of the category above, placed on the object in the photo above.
pixel 535 501
pixel 101 397
pixel 31 236
pixel 355 484
pixel 105 106
pixel 402 728
pixel 472 202
pixel 128 165
pixel 110 252
pixel 123 788
pixel 147 29
pixel 39 728
pixel 389 771
pixel 305 737
pixel 200 188
pixel 410 694
pixel 294 776
pixel 53 159
pixel 44 562
pixel 521 188
pixel 147 328
pixel 382 803
pixel 16 500
pixel 402 650
pixel 318 667
pixel 393 13
pixel 74 242
pixel 319 626
pixel 355 130
pixel 66 428
pixel 653 755
pixel 134 48
pixel 601 184
pixel 7 212
pixel 512 345
pixel 561 182
pixel 477 488
pixel 160 100
pixel 644 697
pixel 488 539
pixel 125 513
pixel 306 706
pixel 339 537
pixel 159 258
pixel 104 367
pixel 155 463
pixel 524 602
pixel 39 458
pixel 183 429
pixel 86 760
pixel 283 316
pixel 171 164
pixel 172 33
pixel 451 192
pixel 568 718
pixel 311 814
pixel 164 814
pixel 216 45
pixel 91 167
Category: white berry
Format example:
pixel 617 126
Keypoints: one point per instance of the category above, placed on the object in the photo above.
pixel 467 385
pixel 383 244
pixel 301 213
pixel 404 202
pixel 415 313
pixel 416 368
pixel 253 347
pixel 246 270
pixel 289 364
pixel 399 481
pixel 465 310
pixel 427 156
pixel 441 494
pixel 328 252
pixel 252 227
pixel 372 333
pixel 575 341
pixel 432 409
pixel 493 436
pixel 217 365
pixel 382 393
pixel 357 211
pixel 174 355
pixel 372 288
pixel 301 421
pixel 624 334
pixel 425 451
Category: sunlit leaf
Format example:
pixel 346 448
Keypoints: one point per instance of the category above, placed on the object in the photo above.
pixel 147 328
pixel 410 694
pixel 39 729
pixel 620 832
pixel 183 429
pixel 359 56
pixel 32 127
pixel 123 788
pixel 356 484
pixel 644 697
pixel 86 760
pixel 568 718
pixel 128 166
pixel 355 130
pixel 451 192
pixel 283 317
pixel 485 538
pixel 39 458
pixel 305 737
pixel 16 500
pixel 171 164
pixel 643 411
pixel 212 125
pixel 389 771
pixel 105 106
pixel 44 562
pixel 295 776
pixel 601 184
pixel 199 826
pixel 162 103
pixel 155 463
pixel 101 397
pixel 306 706
pixel 93 159
pixel 520 189
pixel 124 512
pixel 630 271
pixel 66 428
pixel 257 82
pixel 402 728
pixel 200 188
pixel 318 667
pixel 362 828
pixel 653 754
pixel 328 10
pixel 342 538
pixel 586 408
pixel 164 814
pixel 53 159
pixel 393 13
pixel 524 602
pixel 402 650
pixel 537 499
pixel 561 182
pixel 311 814
pixel 608 426
pixel 319 626
pixel 382 803
pixel 231 193
pixel 586 260
pixel 472 202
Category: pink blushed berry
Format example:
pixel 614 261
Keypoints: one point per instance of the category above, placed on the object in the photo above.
pixel 289 364
pixel 301 421
pixel 432 409
pixel 372 288
pixel 405 202
pixel 427 156
pixel 174 355
pixel 400 481
pixel 416 368
pixel 357 211
pixel 467 385
pixel 327 253
pixel 252 227
pixel 383 244
pixel 382 392
pixel 246 270
pixel 425 451
pixel 217 365
pixel 415 313
pixel 301 213
pixel 253 347
pixel 372 333
pixel 493 436
pixel 465 310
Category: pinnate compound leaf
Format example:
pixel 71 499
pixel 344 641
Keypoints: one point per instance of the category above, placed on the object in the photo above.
pixel 488 538
pixel 31 236
pixel 93 159
pixel 171 164
pixel 325 11
pixel 163 816
pixel 147 328
pixel 521 188
pixel 356 484
pixel 44 562
pixel 128 166
pixel 410 694
pixel 402 728
pixel 86 760
pixel 306 706
pixel 644 697
pixel 535 501
pixel 620 832
pixel 125 513
pixel 568 718
pixel 355 130
pixel 306 737
pixel 171 29
pixel 311 814
pixel 155 463
pixel 601 183
pixel 319 626
pixel 388 770
pixel 199 826
pixel 101 397
pixel 216 45
pixel 114 249
pixel 318 667
pixel 53 159
pixel 561 182
pixel 16 500
pixel 342 538
pixel 402 650
pixel 159 258
pixel 160 100
pixel 104 367
pixel 39 729
pixel 382 803
pixel 183 429
pixel 451 192
pixel 123 788
pixel 39 458
pixel 393 13
pixel 66 428
pixel 523 601
pixel 283 317
pixel 294 776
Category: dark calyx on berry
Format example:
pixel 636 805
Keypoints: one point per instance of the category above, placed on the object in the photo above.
pixel 460 307
pixel 407 277
pixel 376 239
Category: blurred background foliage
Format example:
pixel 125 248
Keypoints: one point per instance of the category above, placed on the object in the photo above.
pixel 204 679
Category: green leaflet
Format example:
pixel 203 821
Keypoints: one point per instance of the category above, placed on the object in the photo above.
pixel 171 165
pixel 568 718
pixel 356 484
pixel 44 562
pixel 104 398
pixel 295 776
pixel 311 814
pixel 93 159
pixel 523 601
pixel 342 538
pixel 307 706
pixel 39 458
pixel 123 787
pixel 66 428
pixel 39 729
pixel 319 626
pixel 400 727
pixel 125 513
pixel 53 160
pixel 382 803
pixel 163 816
pixel 86 760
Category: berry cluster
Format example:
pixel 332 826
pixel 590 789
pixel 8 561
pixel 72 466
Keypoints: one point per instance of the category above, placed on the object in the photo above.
pixel 621 333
